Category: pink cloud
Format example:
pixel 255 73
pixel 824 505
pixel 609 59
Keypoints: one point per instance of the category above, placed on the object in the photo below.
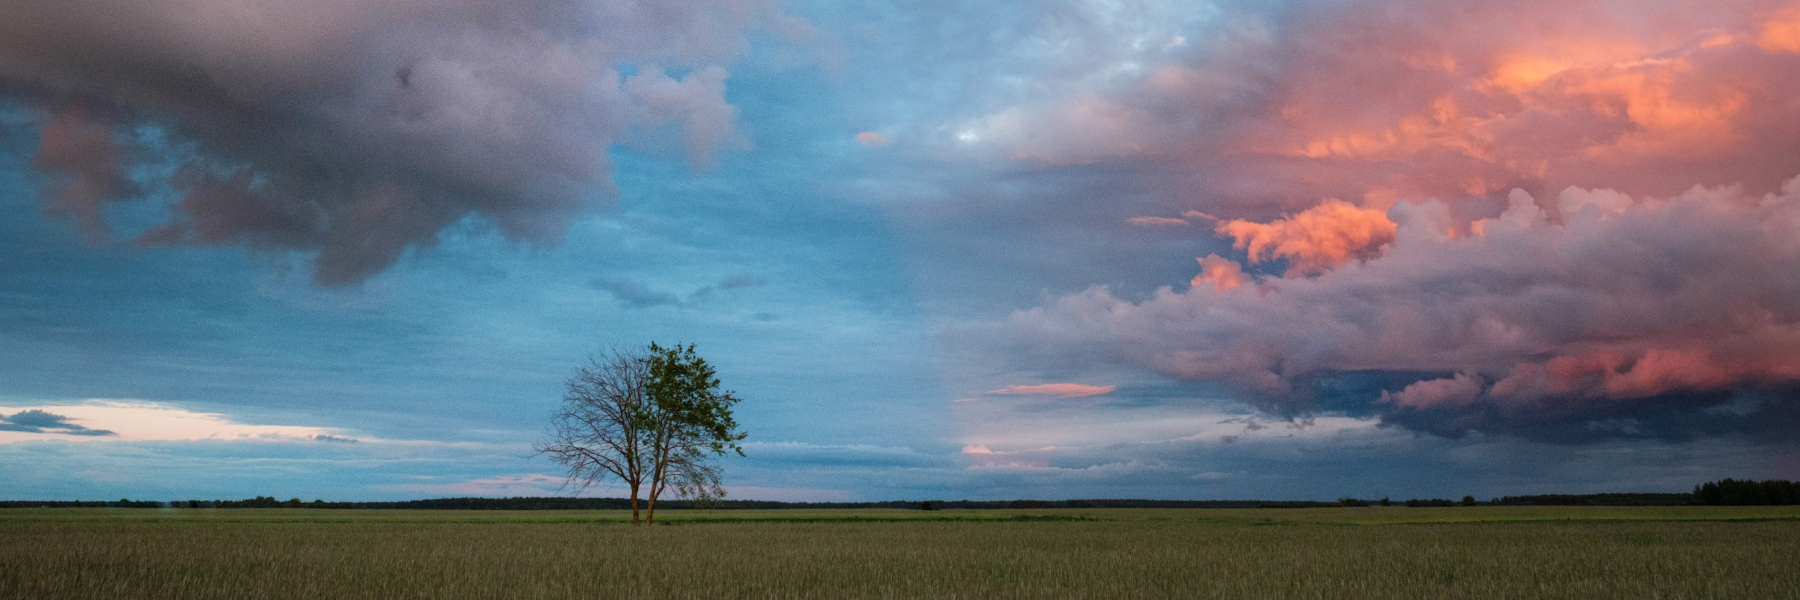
pixel 1060 390
pixel 870 138
pixel 1550 210
pixel 1618 301
pixel 1155 221
pixel 1317 239
pixel 1457 101
pixel 1461 390
pixel 1222 274
pixel 983 450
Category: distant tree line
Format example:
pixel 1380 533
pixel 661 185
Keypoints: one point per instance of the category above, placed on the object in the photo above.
pixel 1597 500
pixel 120 503
pixel 1419 502
pixel 1725 492
pixel 1731 492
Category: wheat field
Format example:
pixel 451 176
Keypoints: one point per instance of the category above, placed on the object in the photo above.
pixel 1484 552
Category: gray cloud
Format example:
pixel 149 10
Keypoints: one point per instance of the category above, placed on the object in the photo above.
pixel 740 280
pixel 637 295
pixel 360 129
pixel 38 421
pixel 634 294
pixel 1626 317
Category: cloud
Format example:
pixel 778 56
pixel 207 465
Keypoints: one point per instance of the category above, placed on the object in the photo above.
pixel 93 169
pixel 632 293
pixel 1566 221
pixel 1269 108
pixel 1219 272
pixel 1317 239
pixel 141 421
pixel 1155 221
pixel 637 295
pixel 740 280
pixel 357 131
pixel 1641 309
pixel 1060 390
pixel 870 138
pixel 38 421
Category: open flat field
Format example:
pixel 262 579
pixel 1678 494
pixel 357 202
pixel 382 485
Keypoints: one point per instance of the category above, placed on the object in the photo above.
pixel 1479 552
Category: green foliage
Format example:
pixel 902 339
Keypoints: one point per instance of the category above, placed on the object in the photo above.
pixel 687 421
pixel 686 393
pixel 1385 502
pixel 1468 501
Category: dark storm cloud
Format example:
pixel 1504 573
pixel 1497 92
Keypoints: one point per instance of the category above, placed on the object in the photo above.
pixel 38 421
pixel 359 130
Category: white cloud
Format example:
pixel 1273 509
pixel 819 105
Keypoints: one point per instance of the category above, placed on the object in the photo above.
pixel 145 421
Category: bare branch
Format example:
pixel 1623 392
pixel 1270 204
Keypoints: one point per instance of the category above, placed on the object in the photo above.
pixel 596 434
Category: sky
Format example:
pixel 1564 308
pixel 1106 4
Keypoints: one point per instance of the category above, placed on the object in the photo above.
pixel 941 249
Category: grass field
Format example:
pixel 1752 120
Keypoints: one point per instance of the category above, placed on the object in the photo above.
pixel 1481 552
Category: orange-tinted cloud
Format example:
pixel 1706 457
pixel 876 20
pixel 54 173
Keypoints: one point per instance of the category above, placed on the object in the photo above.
pixel 1780 31
pixel 1221 273
pixel 1060 390
pixel 1320 238
pixel 1459 101
pixel 1617 306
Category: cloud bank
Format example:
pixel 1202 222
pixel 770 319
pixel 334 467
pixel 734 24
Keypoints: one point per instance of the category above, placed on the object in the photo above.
pixel 1569 221
pixel 359 130
pixel 1621 304
pixel 1271 108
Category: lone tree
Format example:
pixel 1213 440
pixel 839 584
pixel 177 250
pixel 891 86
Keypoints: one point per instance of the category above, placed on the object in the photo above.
pixel 689 422
pixel 654 417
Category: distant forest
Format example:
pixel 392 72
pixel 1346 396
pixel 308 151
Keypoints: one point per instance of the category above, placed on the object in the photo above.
pixel 1725 492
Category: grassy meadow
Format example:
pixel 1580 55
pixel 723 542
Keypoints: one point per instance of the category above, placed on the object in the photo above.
pixel 1479 552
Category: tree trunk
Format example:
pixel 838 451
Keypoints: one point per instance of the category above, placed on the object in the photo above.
pixel 634 497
